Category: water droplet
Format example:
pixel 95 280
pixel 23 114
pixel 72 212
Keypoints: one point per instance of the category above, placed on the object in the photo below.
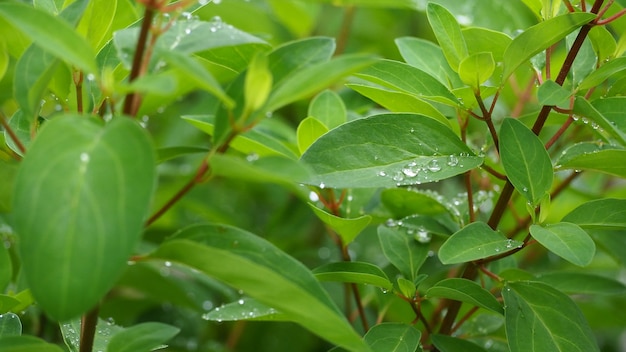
pixel 203 2
pixel 313 197
pixel 240 301
pixel 252 157
pixel 410 170
pixel 525 189
pixel 509 243
pixel 84 157
pixel 207 305
pixel 382 173
pixel 412 130
pixel 168 264
pixel 91 77
pixel 322 185
pixel 453 160
pixel 434 166
pixel 187 30
pixel 497 250
pixel 217 2
pixel 398 176
pixel 423 236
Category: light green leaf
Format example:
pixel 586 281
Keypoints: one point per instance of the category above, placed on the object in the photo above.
pixel 607 213
pixel 27 344
pixel 290 58
pixel 603 73
pixel 75 219
pixel 446 343
pixel 448 34
pixel 249 263
pixel 603 43
pixel 476 69
pixel 328 108
pixel 582 283
pixel 539 37
pixel 594 157
pixel 309 130
pixel 52 34
pixel 465 291
pixel 142 337
pixel 10 325
pixel 371 3
pixel 525 160
pixel 424 227
pixel 551 93
pixel 244 309
pixel 541 318
pixel 393 337
pixel 403 202
pixel 566 240
pixel 169 153
pixel 402 251
pixel 408 79
pixel 388 150
pixel 480 40
pixel 475 241
pixel 347 229
pixel 354 272
pixel 428 57
pixel 272 169
pixel 258 84
pixel 407 288
pixel 96 21
pixel 4 60
pixel 583 108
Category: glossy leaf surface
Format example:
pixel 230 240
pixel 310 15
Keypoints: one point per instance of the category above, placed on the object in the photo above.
pixel 355 272
pixel 244 309
pixel 402 251
pixel 393 337
pixel 608 213
pixel 309 130
pixel 566 240
pixel 465 291
pixel 550 93
pixel 577 283
pixel 142 337
pixel 10 325
pixel 594 157
pixel 346 228
pixel 475 241
pixel 475 69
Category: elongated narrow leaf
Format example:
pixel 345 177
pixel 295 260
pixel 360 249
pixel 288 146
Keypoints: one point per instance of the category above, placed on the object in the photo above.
pixel 539 37
pixel 10 325
pixel 52 34
pixel 603 73
pixel 594 157
pixel 263 272
pixel 275 168
pixel 408 79
pixel 428 57
pixel 465 291
pixel 475 241
pixel 355 272
pixel 566 240
pixel 388 150
pixel 404 202
pixel 142 337
pixel 402 251
pixel 582 283
pixel 244 309
pixel 393 337
pixel 525 160
pixel 608 213
pixel 446 343
pixel 448 34
pixel 27 343
pixel 541 318
pixel 76 220
pixel 97 20
pixel 598 121
pixel 309 130
pixel 328 108
pixel 347 229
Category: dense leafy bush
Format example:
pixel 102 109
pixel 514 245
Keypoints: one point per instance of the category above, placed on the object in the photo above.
pixel 271 175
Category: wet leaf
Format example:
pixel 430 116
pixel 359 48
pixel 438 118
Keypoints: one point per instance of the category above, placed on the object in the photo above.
pixel 566 240
pixel 354 272
pixel 475 241
pixel 465 291
pixel 393 337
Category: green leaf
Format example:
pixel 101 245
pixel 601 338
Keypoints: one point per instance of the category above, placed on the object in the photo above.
pixel 551 93
pixel 582 283
pixel 448 34
pixel 603 73
pixel 603 43
pixel 428 57
pixel 105 330
pixel 258 84
pixel 541 318
pixel 566 240
pixel 347 229
pixel 408 79
pixel 525 160
pixel 290 58
pixel 594 157
pixel 314 78
pixel 403 202
pixel 52 34
pixel 34 70
pixel 309 130
pixel 476 69
pixel 272 169
pixel 10 325
pixel 7 303
pixel 583 108
pixel 388 150
pixel 354 272
pixel 423 227
pixel 407 288
pixel 27 344
pixel 142 337
pixel 265 273
pixel 4 60
pixel 244 309
pixel 612 109
pixel 402 251
pixel 465 291
pixel 393 337
pixel 475 241
pixel 480 40
pixel 169 153
pixel 75 219
pixel 97 20
pixel 539 37
pixel 446 343
pixel 328 108
pixel 608 213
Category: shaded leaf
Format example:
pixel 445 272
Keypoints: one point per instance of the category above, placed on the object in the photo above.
pixel 480 40
pixel 393 337
pixel 26 344
pixel 404 202
pixel 354 272
pixel 346 228
pixel 169 153
pixel 566 240
pixel 465 291
pixel 105 330
pixel 583 108
pixel 551 93
pixel 525 160
pixel 603 73
pixel 273 168
pixel 475 241
pixel 6 268
pixel 402 251
pixel 10 325
pixel 7 303
pixel 541 318
pixel 452 344
pixel 582 283
pixel 448 34
pixel 608 213
pixel 142 337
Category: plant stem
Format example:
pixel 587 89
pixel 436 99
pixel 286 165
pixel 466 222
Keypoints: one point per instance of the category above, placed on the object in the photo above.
pixel 88 329
pixel 344 32
pixel 78 83
pixel 14 138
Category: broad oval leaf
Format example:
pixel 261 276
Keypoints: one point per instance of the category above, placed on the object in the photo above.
pixel 566 240
pixel 475 69
pixel 539 37
pixel 551 93
pixel 393 337
pixel 428 57
pixel 448 34
pixel 142 337
pixel 388 150
pixel 10 325
pixel 525 160
pixel 346 228
pixel 541 318
pixel 244 309
pixel 76 219
pixel 446 343
pixel 264 272
pixel 465 291
pixel 475 241
pixel 402 251
pixel 328 108
pixel 355 272
pixel 608 213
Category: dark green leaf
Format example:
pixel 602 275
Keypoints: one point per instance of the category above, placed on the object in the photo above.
pixel 598 121
pixel 27 344
pixel 612 109
pixel 7 303
pixel 169 153
pixel 355 272
pixel 452 344
pixel 541 318
pixel 328 108
pixel 291 58
pixel 10 325
pixel 388 150
pixel 465 291
pixel 393 337
pixel 448 34
pixel 608 213
pixel 105 330
pixel 566 240
pixel 582 283
pixel 78 224
pixel 141 337
pixel 525 160
pixel 244 309
pixel 402 251
pixel 347 229
pixel 265 273
pixel 550 93
pixel 539 37
pixel 594 157
pixel 475 241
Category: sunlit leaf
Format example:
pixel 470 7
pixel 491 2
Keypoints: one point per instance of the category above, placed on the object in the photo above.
pixel 309 130
pixel 428 57
pixel 244 309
